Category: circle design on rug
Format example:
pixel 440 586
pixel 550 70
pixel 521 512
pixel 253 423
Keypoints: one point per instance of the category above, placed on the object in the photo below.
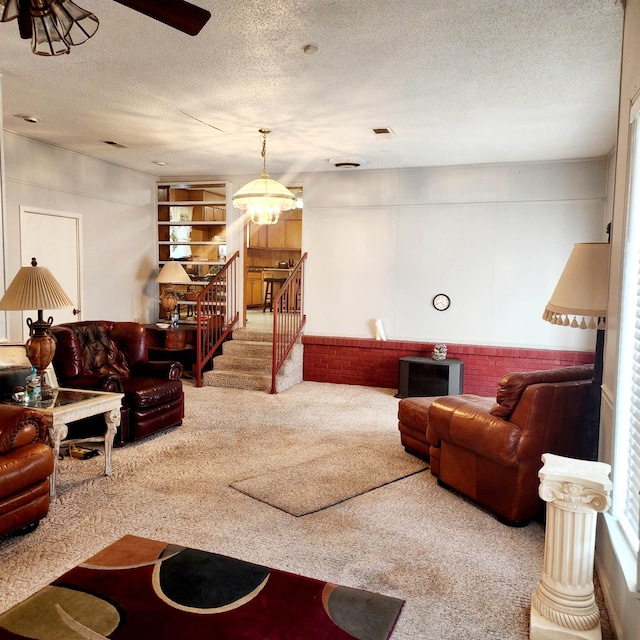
pixel 362 614
pixel 58 613
pixel 203 582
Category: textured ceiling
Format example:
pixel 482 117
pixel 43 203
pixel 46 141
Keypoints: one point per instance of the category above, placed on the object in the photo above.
pixel 458 81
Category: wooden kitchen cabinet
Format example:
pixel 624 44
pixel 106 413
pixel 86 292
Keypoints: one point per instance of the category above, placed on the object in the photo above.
pixel 275 235
pixel 253 289
pixel 285 234
pixel 257 235
pixel 293 233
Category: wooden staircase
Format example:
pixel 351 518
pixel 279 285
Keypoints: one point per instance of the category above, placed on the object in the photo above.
pixel 246 363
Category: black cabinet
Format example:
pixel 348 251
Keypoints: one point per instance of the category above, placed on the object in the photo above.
pixel 421 376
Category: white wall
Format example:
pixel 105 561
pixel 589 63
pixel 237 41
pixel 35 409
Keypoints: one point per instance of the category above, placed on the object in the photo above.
pixel 381 244
pixel 117 206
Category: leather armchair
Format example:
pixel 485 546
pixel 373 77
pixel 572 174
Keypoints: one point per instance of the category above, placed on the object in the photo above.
pixel 490 450
pixel 113 356
pixel 26 462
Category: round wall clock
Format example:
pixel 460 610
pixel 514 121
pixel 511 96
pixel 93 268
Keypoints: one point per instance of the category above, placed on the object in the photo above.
pixel 441 301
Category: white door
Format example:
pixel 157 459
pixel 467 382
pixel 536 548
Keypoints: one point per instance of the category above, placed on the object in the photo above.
pixel 54 239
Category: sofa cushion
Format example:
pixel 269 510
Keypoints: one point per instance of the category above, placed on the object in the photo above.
pixel 414 412
pixel 465 421
pixel 100 354
pixel 512 385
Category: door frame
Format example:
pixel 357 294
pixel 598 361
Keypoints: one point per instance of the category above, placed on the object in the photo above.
pixel 24 260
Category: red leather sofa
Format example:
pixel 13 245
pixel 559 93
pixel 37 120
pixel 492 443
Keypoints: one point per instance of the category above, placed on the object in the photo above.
pixel 113 356
pixel 490 450
pixel 26 462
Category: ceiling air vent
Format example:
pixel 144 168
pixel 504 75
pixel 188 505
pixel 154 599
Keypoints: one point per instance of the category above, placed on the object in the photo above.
pixel 346 163
pixel 383 132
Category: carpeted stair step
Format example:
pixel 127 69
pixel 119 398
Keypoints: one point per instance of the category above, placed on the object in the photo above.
pixel 227 362
pixel 252 335
pixel 248 349
pixel 237 380
pixel 238 372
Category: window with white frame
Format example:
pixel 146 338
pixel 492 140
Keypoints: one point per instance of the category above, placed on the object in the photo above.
pixel 626 486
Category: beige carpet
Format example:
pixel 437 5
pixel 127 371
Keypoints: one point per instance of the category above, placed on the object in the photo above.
pixel 322 482
pixel 463 575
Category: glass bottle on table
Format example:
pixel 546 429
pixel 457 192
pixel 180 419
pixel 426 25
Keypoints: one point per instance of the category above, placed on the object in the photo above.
pixel 32 388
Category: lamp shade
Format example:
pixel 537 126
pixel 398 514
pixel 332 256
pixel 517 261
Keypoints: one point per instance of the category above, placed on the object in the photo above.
pixel 173 273
pixel 34 288
pixel 582 288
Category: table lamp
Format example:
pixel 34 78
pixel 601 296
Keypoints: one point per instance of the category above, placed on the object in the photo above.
pixel 171 273
pixel 582 292
pixel 35 288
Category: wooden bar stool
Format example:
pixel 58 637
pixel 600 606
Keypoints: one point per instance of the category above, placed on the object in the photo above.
pixel 269 291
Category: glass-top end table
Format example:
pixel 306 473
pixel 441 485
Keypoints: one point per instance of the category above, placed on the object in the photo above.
pixel 69 405
pixel 63 397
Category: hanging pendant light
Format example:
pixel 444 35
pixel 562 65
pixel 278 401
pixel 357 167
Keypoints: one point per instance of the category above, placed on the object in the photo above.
pixel 263 199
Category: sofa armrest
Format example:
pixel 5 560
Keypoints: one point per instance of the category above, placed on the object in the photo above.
pixel 20 426
pixel 466 422
pixel 110 383
pixel 167 369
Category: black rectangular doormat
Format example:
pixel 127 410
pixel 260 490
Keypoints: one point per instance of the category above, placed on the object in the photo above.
pixel 140 588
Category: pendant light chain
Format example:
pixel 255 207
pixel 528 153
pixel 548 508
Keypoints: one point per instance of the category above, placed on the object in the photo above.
pixel 264 133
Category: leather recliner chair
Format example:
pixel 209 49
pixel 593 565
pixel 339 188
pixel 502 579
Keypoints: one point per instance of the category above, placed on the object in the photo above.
pixel 490 449
pixel 26 462
pixel 113 356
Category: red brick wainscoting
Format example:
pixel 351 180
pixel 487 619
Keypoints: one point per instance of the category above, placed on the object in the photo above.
pixel 374 363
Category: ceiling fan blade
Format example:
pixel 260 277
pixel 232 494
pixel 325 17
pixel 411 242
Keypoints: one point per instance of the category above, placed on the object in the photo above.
pixel 24 19
pixel 181 15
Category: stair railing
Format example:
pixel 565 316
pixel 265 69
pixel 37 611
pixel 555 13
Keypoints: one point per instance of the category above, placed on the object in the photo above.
pixel 216 314
pixel 288 318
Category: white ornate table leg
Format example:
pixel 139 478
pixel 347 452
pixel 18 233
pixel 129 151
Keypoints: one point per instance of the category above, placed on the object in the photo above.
pixel 57 433
pixel 563 605
pixel 112 418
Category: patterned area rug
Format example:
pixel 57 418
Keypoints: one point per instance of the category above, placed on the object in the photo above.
pixel 140 588
pixel 328 480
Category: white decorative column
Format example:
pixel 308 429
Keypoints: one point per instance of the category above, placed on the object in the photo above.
pixel 563 606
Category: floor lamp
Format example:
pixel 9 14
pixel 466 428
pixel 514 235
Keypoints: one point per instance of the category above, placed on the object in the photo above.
pixel 580 301
pixel 35 288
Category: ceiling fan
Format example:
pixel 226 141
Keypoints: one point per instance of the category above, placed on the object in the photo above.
pixel 53 26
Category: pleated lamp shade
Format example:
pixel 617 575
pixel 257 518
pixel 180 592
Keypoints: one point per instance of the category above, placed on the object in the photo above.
pixel 582 289
pixel 173 273
pixel 34 288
